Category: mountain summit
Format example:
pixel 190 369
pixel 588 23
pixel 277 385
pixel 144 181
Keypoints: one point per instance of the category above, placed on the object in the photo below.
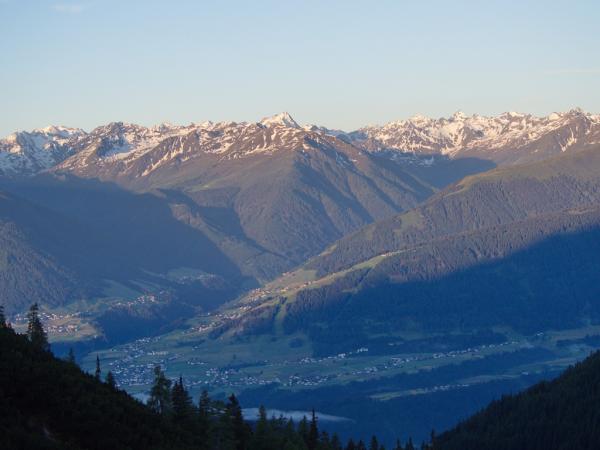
pixel 282 119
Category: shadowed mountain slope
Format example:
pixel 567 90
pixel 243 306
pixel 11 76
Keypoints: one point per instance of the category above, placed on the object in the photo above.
pixel 557 415
pixel 424 269
pixel 91 234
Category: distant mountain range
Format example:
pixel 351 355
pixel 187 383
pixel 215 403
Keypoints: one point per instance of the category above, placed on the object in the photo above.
pixel 119 150
pixel 242 202
pixel 510 138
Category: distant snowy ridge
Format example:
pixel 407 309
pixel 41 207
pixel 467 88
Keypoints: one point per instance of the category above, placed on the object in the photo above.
pixel 508 138
pixel 462 134
pixel 31 152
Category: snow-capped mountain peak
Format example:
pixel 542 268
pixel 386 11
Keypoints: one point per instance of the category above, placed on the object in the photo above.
pixel 40 149
pixel 282 119
pixel 459 115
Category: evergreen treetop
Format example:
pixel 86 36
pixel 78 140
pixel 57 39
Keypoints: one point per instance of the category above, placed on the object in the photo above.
pixel 35 330
pixel 110 380
pixel 160 394
pixel 2 317
pixel 98 371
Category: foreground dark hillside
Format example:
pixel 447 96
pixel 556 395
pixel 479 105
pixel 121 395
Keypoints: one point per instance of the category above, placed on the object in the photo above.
pixel 46 403
pixel 557 415
pixel 49 403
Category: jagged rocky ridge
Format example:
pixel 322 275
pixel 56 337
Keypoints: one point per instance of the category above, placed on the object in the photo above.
pixel 508 138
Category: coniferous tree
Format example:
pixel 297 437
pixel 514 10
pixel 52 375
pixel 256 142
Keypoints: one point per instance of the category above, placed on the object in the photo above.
pixel 410 445
pixel 160 394
pixel 183 408
pixel 335 442
pixel 261 431
pixel 374 444
pixel 292 437
pixel 239 428
pixel 71 356
pixel 2 317
pixel 398 445
pixel 313 432
pixel 110 380
pixel 98 371
pixel 222 430
pixel 433 440
pixel 303 429
pixel 361 445
pixel 35 330
pixel 324 441
pixel 350 445
pixel 204 420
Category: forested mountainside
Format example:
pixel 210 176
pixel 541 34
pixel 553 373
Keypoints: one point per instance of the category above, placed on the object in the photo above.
pixel 445 287
pixel 560 414
pixel 33 241
pixel 468 257
pixel 60 254
pixel 47 403
pixel 496 197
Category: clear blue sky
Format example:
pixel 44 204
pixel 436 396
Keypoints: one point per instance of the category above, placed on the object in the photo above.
pixel 341 64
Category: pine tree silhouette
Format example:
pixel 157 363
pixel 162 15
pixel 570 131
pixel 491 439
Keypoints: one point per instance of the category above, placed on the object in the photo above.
pixel 71 356
pixel 98 371
pixel 110 380
pixel 160 394
pixel 2 317
pixel 35 330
